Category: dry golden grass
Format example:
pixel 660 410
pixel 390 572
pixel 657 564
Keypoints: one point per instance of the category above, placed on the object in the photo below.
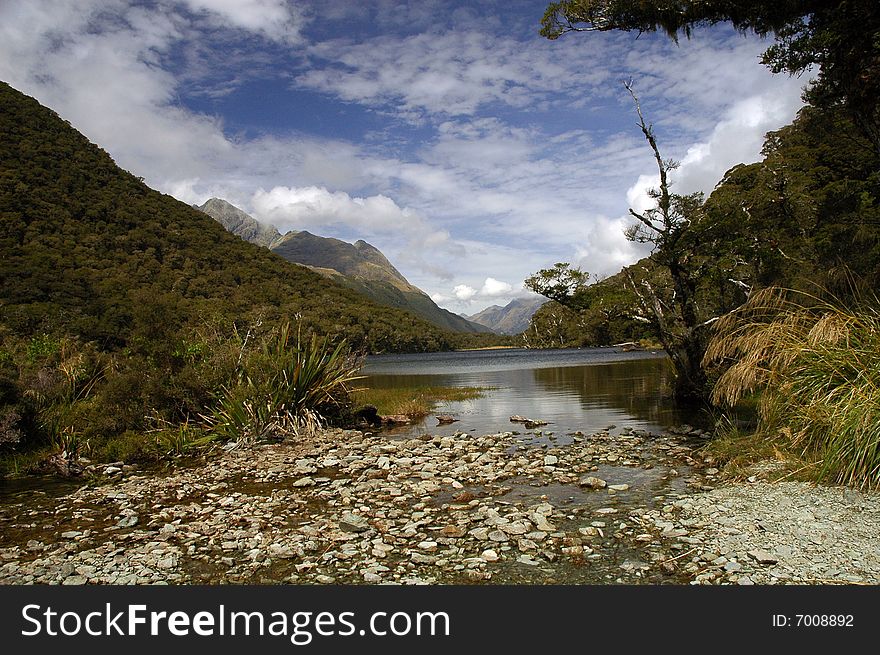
pixel 818 364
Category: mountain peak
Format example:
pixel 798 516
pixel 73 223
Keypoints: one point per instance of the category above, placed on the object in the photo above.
pixel 240 223
pixel 360 266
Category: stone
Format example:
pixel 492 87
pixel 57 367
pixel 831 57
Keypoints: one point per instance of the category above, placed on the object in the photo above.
pixel 592 482
pixel 421 558
pixel 618 487
pixel 75 580
pixel 452 531
pixel 490 555
pixel 527 560
pixel 551 460
pixel 762 556
pixel 517 527
pixel 353 523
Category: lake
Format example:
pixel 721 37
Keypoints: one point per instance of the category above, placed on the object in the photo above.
pixel 583 390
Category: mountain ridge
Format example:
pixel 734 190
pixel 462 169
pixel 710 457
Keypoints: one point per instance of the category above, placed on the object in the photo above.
pixel 513 318
pixel 359 266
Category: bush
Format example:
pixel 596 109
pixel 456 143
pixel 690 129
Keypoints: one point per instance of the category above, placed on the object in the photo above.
pixel 287 386
pixel 817 363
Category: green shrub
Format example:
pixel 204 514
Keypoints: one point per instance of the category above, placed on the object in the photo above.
pixel 287 386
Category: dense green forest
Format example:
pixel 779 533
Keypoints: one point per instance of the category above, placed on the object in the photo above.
pixel 131 309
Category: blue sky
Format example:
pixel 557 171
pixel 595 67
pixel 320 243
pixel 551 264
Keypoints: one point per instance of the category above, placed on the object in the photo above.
pixel 450 135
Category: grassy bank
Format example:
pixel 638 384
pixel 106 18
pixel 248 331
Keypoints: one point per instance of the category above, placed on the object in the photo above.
pixel 415 402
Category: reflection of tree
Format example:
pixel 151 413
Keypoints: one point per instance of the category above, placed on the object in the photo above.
pixel 640 388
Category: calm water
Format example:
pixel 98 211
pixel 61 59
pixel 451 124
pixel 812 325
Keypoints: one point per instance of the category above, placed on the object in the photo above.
pixel 584 389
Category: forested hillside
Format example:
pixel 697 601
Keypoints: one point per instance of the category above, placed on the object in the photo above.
pixel 807 216
pixel 123 310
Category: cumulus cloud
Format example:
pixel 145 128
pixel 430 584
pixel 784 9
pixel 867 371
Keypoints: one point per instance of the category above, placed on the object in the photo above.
pixel 493 287
pixel 736 138
pixel 464 292
pixel 295 208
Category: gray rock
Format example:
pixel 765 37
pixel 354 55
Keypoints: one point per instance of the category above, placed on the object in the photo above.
pixel 762 556
pixel 592 482
pixel 353 523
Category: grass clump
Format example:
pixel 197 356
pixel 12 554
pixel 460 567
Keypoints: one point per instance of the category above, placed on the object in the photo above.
pixel 288 386
pixel 817 363
pixel 414 402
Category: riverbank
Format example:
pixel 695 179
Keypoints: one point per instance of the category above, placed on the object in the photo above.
pixel 618 506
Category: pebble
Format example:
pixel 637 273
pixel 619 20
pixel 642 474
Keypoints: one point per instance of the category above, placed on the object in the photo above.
pixel 440 510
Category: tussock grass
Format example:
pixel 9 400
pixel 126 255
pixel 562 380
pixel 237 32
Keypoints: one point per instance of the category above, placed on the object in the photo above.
pixel 415 402
pixel 818 362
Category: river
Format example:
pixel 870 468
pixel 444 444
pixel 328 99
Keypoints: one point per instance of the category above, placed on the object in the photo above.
pixel 573 390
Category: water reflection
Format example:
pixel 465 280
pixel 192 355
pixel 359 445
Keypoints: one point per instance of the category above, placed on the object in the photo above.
pixel 584 390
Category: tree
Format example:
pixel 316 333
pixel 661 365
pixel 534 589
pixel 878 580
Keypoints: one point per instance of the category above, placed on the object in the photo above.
pixel 690 279
pixel 841 37
pixel 562 283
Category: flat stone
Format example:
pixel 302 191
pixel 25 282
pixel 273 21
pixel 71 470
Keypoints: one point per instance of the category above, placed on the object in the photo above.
pixel 75 580
pixel 421 558
pixel 353 523
pixel 762 556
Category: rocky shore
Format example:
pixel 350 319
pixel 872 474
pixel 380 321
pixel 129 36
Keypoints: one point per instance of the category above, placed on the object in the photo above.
pixel 619 506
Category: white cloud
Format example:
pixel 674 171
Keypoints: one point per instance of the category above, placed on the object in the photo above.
pixel 275 19
pixel 493 287
pixel 298 208
pixel 736 138
pixel 464 292
pixel 449 73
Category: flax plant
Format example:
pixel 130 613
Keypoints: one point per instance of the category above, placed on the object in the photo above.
pixel 289 386
pixel 818 364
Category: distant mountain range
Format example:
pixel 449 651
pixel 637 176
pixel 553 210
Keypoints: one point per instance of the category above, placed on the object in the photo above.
pixel 513 318
pixel 359 266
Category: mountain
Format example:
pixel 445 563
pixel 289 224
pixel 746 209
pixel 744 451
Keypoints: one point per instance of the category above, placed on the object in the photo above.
pixel 359 266
pixel 90 251
pixel 241 224
pixel 513 318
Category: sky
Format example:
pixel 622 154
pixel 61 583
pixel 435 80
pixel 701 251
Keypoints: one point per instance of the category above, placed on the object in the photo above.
pixel 450 135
